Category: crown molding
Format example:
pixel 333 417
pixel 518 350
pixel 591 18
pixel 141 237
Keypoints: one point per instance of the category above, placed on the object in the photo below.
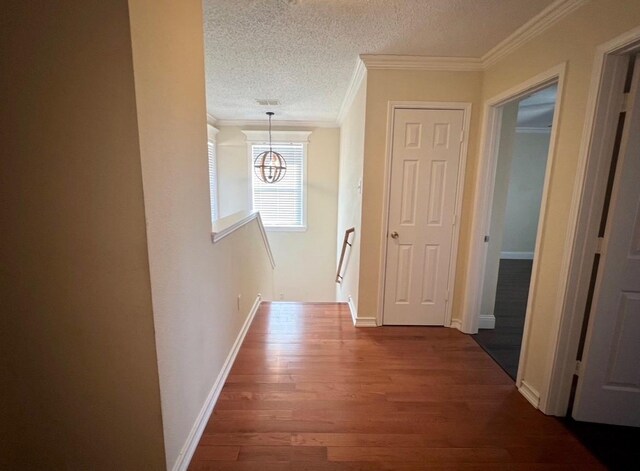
pixel 532 28
pixel 359 74
pixel 279 124
pixel 211 120
pixel 212 132
pixel 278 136
pixel 399 62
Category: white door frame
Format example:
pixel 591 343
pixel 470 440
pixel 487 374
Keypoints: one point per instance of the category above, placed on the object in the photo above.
pixel 429 105
pixel 603 105
pixel 484 188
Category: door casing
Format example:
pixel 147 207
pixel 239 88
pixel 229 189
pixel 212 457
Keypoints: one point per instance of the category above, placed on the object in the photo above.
pixel 484 188
pixel 608 72
pixel 392 106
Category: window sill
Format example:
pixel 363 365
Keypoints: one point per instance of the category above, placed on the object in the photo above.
pixel 285 228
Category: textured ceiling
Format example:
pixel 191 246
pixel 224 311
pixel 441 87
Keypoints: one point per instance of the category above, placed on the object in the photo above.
pixel 303 52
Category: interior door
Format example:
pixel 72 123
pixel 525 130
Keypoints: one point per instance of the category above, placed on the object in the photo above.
pixel 609 384
pixel 424 171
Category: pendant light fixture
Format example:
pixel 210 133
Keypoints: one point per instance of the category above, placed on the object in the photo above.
pixel 269 166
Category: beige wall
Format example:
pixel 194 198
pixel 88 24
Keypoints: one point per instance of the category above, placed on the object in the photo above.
pixel 305 261
pixel 572 40
pixel 195 284
pixel 397 85
pixel 78 374
pixel 350 194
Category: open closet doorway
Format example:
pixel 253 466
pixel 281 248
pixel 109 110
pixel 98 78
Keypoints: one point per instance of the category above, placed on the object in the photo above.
pixel 522 149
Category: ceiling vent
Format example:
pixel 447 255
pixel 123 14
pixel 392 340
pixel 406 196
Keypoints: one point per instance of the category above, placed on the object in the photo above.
pixel 267 102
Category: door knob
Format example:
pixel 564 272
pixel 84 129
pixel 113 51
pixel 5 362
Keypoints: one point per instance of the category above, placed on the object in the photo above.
pixel 394 235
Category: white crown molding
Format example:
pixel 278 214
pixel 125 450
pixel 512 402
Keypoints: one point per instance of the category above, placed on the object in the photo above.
pixel 278 136
pixel 359 74
pixel 212 120
pixel 261 122
pixel 399 62
pixel 212 131
pixel 532 28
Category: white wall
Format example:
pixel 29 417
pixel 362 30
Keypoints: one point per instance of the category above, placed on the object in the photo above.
pixel 525 193
pixel 194 284
pixel 305 261
pixel 350 194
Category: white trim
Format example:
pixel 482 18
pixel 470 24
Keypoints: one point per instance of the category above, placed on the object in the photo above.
pixel 212 132
pixel 184 458
pixel 484 185
pixel 360 321
pixel 226 226
pixel 366 322
pixel 211 120
pixel 281 137
pixel 456 324
pixel 576 269
pixel 392 106
pixel 487 321
pixel 279 123
pixel 532 28
pixel 517 255
pixel 530 393
pixel 400 62
pixel 359 74
pixel 532 130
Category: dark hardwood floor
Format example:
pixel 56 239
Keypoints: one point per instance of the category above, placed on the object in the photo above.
pixel 309 391
pixel 503 342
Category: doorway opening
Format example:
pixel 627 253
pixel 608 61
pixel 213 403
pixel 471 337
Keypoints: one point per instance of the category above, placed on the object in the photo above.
pixel 523 141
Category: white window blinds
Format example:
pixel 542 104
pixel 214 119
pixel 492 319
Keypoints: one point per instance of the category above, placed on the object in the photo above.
pixel 213 180
pixel 281 204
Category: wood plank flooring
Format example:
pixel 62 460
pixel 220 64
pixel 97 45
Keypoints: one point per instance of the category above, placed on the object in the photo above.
pixel 309 391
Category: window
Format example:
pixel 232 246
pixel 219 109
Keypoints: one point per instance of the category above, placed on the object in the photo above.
pixel 213 179
pixel 281 204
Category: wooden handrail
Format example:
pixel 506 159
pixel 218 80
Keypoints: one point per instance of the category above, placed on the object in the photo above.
pixel 345 242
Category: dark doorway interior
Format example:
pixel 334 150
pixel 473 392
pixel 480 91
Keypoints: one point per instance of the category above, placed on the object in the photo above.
pixel 503 343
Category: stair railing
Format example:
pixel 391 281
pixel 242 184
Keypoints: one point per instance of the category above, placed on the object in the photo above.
pixel 346 242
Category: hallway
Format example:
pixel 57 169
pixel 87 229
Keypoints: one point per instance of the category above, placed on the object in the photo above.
pixel 309 391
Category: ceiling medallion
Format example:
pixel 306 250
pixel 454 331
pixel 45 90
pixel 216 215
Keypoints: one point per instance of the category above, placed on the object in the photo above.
pixel 269 166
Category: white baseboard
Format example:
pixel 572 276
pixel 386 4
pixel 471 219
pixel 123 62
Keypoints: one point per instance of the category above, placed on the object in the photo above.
pixel 182 463
pixel 517 255
pixel 487 321
pixel 360 321
pixel 530 394
pixel 456 324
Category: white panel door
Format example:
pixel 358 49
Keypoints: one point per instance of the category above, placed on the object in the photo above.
pixel 424 172
pixel 609 384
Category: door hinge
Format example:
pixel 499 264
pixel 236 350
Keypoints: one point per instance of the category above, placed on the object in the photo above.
pixel 461 136
pixel 624 106
pixel 599 241
pixel 446 296
pixel 578 370
pixel 486 238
